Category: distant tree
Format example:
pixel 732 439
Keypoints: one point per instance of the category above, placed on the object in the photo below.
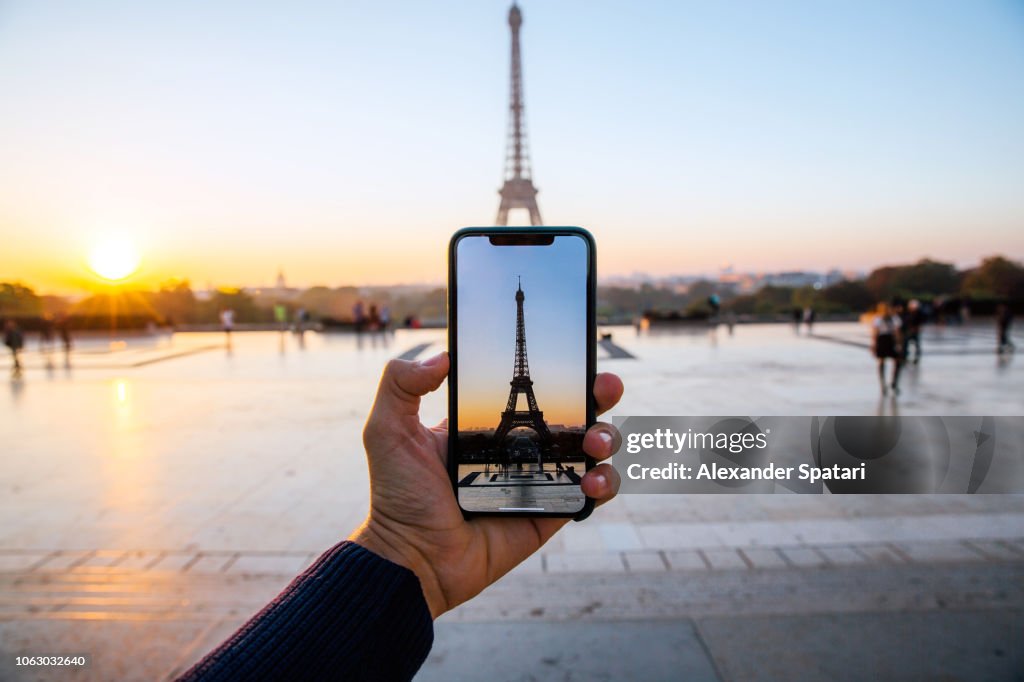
pixel 769 300
pixel 174 302
pixel 54 305
pixel 698 308
pixel 120 304
pixel 320 301
pixel 18 300
pixel 629 302
pixel 242 303
pixel 849 296
pixel 344 301
pixel 923 279
pixel 806 297
pixel 996 277
pixel 431 305
pixel 699 291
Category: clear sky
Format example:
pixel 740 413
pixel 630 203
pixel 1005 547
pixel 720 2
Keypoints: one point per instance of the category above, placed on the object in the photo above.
pixel 345 142
pixel 554 280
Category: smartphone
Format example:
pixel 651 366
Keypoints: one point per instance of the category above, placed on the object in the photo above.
pixel 521 337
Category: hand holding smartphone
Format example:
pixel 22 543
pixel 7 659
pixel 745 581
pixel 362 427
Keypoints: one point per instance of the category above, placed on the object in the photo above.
pixel 521 363
pixel 521 335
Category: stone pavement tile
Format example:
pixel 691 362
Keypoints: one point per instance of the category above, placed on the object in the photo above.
pixel 725 559
pixel 139 560
pixel 990 526
pixel 880 554
pixel 687 594
pixel 210 563
pixel 268 564
pixel 842 556
pixel 998 526
pixel 760 533
pixel 62 561
pixel 686 560
pixel 118 649
pixel 585 562
pixel 174 561
pixel 996 550
pixel 930 645
pixel 583 538
pixel 103 558
pixel 764 557
pixel 533 565
pixel 649 650
pixel 207 639
pixel 902 523
pixel 644 562
pixel 21 562
pixel 310 559
pixel 677 535
pixel 804 557
pixel 925 552
pixel 619 537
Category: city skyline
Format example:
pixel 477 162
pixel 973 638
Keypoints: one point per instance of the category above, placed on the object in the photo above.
pixel 345 146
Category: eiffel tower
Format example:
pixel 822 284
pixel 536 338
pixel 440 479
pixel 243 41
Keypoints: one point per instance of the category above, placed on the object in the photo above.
pixel 521 382
pixel 518 190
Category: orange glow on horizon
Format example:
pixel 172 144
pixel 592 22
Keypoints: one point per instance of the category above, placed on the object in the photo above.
pixel 478 415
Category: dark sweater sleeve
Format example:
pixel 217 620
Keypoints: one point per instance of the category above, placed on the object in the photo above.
pixel 352 615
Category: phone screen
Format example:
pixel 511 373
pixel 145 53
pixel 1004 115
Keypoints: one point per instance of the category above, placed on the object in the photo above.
pixel 521 372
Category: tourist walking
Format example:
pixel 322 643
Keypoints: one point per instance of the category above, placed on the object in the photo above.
pixel 886 343
pixel 15 340
pixel 1004 318
pixel 227 323
pixel 809 316
pixel 281 316
pixel 358 316
pixel 64 332
pixel 910 322
pixel 46 334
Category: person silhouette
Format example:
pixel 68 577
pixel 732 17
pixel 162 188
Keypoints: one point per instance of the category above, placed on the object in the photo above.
pixel 809 317
pixel 910 322
pixel 886 344
pixel 358 316
pixel 46 334
pixel 227 323
pixel 15 340
pixel 1004 318
pixel 64 331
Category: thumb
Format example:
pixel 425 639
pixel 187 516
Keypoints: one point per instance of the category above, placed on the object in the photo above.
pixel 404 382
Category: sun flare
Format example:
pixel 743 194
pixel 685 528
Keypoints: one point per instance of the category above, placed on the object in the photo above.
pixel 114 259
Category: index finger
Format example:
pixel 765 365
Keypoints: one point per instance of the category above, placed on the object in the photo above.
pixel 607 391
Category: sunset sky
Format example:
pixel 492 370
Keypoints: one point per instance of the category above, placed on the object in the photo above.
pixel 344 142
pixel 554 280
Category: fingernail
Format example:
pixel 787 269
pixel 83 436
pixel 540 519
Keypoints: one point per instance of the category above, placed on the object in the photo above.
pixel 600 480
pixel 431 362
pixel 605 437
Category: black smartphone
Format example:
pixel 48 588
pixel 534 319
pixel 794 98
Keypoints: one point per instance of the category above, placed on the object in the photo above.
pixel 521 336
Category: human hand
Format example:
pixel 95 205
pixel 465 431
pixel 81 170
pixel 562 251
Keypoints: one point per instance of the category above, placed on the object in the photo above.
pixel 414 518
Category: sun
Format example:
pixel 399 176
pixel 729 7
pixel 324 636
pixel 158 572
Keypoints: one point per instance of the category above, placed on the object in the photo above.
pixel 114 259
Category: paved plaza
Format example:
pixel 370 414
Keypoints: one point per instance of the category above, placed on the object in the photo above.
pixel 158 490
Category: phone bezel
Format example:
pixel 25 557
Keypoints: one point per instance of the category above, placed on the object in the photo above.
pixel 453 381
